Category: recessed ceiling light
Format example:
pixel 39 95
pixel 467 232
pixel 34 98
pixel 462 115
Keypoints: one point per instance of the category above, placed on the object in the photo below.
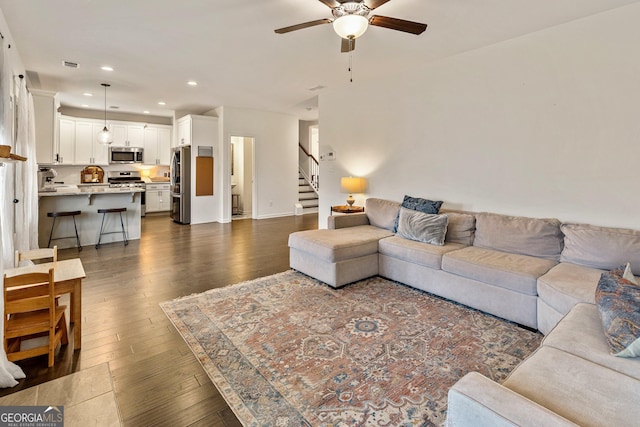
pixel 107 68
pixel 192 83
pixel 162 103
pixel 85 106
pixel 146 112
pixel 87 94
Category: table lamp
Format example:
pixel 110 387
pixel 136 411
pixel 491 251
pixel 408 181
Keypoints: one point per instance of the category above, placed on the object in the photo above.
pixel 352 185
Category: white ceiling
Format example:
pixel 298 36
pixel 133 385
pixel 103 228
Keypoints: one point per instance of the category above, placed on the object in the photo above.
pixel 230 49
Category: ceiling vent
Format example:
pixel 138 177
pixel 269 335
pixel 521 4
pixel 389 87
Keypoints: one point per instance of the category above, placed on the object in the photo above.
pixel 70 64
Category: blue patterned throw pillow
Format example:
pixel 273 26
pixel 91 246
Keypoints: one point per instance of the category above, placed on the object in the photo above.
pixel 618 300
pixel 421 205
pixel 418 204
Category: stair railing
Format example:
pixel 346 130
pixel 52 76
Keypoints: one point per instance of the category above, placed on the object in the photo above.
pixel 313 174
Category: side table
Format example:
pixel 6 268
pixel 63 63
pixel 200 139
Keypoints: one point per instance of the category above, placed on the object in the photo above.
pixel 346 209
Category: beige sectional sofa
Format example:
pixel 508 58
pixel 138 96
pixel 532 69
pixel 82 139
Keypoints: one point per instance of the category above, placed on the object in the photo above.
pixel 528 270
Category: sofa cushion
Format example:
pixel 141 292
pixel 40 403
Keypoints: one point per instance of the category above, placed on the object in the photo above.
pixel 461 227
pixel 510 271
pixel 538 237
pixel 422 227
pixel 416 252
pixel 618 302
pixel 382 213
pixel 567 284
pixel 341 244
pixel 580 333
pixel 601 247
pixel 477 401
pixel 579 390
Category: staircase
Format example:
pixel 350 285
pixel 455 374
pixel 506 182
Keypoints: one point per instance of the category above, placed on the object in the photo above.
pixel 307 196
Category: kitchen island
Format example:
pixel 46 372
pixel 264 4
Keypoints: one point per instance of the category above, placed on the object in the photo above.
pixel 88 199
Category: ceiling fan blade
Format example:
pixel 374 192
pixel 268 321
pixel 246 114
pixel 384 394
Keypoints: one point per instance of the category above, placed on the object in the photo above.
pixel 331 3
pixel 348 45
pixel 372 4
pixel 398 24
pixel 303 25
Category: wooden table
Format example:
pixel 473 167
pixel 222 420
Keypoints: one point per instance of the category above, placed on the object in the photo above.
pixel 346 209
pixel 68 276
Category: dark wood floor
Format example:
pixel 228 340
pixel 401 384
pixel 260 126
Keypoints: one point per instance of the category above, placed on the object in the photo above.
pixel 157 379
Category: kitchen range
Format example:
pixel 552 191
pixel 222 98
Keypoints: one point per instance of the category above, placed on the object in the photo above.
pixel 128 179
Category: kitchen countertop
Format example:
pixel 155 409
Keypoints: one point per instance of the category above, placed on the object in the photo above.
pixel 87 189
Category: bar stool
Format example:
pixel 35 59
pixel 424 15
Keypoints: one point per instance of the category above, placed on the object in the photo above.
pixel 104 213
pixel 55 215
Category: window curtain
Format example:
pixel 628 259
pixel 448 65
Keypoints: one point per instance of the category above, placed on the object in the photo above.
pixel 9 372
pixel 26 190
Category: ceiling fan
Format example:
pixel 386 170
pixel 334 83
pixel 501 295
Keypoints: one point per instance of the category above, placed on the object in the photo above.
pixel 351 20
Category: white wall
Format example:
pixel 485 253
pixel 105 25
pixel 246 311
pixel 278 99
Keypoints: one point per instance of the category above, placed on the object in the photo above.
pixel 204 133
pixel 545 125
pixel 276 158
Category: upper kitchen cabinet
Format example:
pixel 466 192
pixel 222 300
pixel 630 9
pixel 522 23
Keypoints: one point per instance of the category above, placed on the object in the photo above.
pixel 191 125
pixel 157 145
pixel 184 131
pixel 88 151
pixel 127 134
pixel 66 147
pixel 45 106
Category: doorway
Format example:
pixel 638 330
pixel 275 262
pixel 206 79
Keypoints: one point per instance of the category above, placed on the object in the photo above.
pixel 242 172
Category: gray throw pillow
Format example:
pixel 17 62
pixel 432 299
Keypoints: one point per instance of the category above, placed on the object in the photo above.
pixel 422 227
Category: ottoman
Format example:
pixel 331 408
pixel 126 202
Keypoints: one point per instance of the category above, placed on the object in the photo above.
pixel 337 257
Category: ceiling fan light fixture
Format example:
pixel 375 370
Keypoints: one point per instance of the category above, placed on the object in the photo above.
pixel 350 26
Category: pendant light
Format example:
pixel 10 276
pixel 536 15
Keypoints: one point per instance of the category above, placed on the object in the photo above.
pixel 104 136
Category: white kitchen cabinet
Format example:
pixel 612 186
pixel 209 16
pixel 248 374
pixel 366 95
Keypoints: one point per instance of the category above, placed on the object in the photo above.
pixel 77 141
pixel 66 141
pixel 87 148
pixel 157 145
pixel 126 134
pixel 157 197
pixel 184 131
pixel 164 145
pixel 45 107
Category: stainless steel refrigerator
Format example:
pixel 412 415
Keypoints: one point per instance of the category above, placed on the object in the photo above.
pixel 181 185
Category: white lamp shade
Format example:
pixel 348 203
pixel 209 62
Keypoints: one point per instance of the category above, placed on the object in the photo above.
pixel 350 26
pixel 105 136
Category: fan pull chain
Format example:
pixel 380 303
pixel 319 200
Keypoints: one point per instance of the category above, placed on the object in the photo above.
pixel 350 60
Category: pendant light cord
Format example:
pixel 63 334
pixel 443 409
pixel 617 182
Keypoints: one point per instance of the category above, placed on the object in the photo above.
pixel 105 104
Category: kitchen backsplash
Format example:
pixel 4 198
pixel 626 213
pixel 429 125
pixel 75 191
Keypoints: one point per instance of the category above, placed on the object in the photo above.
pixel 71 174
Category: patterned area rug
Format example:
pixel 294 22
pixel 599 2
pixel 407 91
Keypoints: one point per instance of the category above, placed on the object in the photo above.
pixel 287 350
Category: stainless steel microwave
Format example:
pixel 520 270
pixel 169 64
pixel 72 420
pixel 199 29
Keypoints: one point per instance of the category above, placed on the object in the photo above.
pixel 122 155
